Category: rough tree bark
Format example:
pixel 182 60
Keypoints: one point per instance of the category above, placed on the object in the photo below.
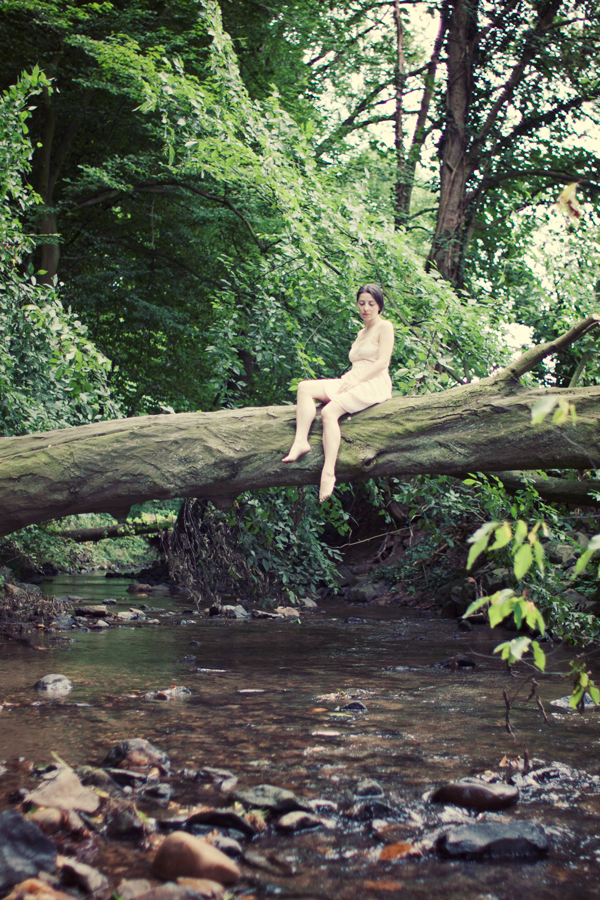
pixel 478 427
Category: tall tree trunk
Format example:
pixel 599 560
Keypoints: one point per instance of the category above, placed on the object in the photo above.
pixel 455 164
pixel 401 186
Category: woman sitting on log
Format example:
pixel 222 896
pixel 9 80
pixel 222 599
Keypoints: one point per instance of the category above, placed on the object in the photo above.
pixel 367 383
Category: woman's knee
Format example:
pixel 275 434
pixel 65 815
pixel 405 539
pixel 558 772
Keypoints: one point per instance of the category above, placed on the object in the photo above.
pixel 330 413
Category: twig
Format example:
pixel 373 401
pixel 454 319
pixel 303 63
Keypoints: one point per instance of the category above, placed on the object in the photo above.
pixel 507 717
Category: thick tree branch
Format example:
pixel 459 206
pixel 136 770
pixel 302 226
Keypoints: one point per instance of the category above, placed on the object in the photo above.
pixel 532 357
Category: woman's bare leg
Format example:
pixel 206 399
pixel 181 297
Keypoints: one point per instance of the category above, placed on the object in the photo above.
pixel 332 437
pixel 306 410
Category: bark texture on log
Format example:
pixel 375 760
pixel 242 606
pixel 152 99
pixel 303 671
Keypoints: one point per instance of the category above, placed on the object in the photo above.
pixel 554 490
pixel 109 466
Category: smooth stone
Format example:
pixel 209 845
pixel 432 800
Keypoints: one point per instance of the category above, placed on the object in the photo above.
pixel 100 625
pixel 371 809
pixel 222 819
pixel 56 685
pixel 65 791
pixel 522 839
pixel 275 799
pixel 181 854
pixel 565 702
pixel 299 821
pixel 132 887
pixel 160 794
pixel 36 889
pixel 456 662
pixel 290 612
pixel 78 874
pixel 171 891
pixel 173 693
pixel 97 611
pixel 124 822
pixel 307 603
pixel 473 794
pixel 127 777
pixel 137 752
pixel 368 787
pixel 204 887
pixel 264 614
pixel 225 844
pixel 355 706
pixel 25 851
pixel 235 612
pixel 50 820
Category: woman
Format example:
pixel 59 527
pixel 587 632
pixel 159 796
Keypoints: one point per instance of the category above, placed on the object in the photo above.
pixel 368 382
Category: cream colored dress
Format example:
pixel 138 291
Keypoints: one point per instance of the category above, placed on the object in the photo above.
pixel 363 352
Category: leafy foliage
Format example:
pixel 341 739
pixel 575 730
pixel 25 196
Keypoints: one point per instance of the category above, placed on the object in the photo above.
pixel 51 375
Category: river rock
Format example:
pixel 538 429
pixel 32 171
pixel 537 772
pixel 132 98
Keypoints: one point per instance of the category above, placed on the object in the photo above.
pixel 172 693
pixel 204 887
pixel 222 818
pixel 49 820
pixel 54 685
pixel 235 612
pixel 300 821
pixel 159 794
pixel 354 706
pixel 474 794
pixel 371 809
pixel 181 854
pixel 221 778
pixel 289 612
pixel 36 889
pixel 456 662
pixel 132 887
pixel 137 753
pixel 225 844
pixel 565 702
pixel 124 822
pixel 78 874
pixel 307 603
pixel 98 611
pixel 25 851
pixel 522 839
pixel 65 791
pixel 264 614
pixel 275 799
pixel 368 787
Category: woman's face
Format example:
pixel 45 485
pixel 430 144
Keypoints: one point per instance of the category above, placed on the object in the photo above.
pixel 368 308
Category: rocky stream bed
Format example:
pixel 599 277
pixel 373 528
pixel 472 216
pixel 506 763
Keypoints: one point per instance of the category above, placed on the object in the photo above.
pixel 342 752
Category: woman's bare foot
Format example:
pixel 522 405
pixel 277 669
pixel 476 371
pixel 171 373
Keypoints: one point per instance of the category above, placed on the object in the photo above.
pixel 327 486
pixel 298 449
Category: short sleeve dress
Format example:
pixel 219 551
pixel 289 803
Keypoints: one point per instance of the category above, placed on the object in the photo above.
pixel 363 352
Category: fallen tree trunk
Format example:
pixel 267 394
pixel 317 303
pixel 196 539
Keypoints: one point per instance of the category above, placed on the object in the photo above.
pixel 478 427
pixel 554 490
pixel 102 532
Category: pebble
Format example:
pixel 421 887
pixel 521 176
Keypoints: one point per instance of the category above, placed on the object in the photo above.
pixel 182 854
pixel 355 706
pixel 204 887
pixel 368 787
pixel 78 874
pixel 300 821
pixel 474 794
pixel 55 685
pixel 24 850
pixel 139 753
pixel 522 839
pixel 65 791
pixel 50 820
pixel 371 809
pixel 275 799
pixel 220 818
pixel 132 887
pixel 36 889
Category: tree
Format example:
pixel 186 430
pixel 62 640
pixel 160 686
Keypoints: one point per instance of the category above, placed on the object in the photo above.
pixel 51 375
pixel 483 426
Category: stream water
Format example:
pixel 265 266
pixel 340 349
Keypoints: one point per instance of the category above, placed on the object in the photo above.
pixel 273 716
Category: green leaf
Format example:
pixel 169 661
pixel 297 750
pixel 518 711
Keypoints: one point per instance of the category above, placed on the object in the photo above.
pixel 523 560
pixel 480 541
pixel 539 656
pixel 520 534
pixel 594 693
pixel 503 536
pixel 475 605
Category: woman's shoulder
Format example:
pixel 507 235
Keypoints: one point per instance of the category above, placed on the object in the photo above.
pixel 386 327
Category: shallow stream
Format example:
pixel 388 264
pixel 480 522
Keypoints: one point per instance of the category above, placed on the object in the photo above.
pixel 273 716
